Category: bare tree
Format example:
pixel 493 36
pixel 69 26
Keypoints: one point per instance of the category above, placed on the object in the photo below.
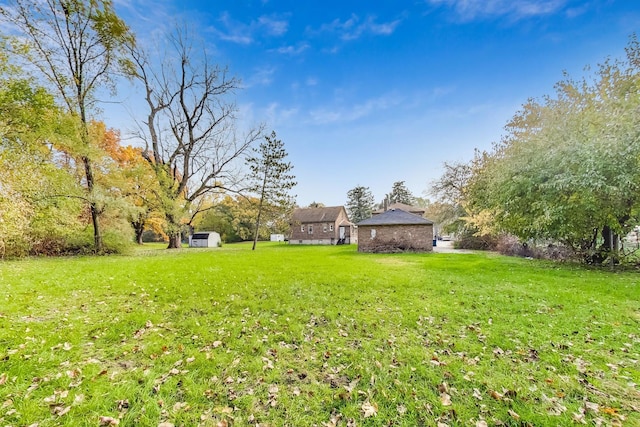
pixel 76 46
pixel 190 129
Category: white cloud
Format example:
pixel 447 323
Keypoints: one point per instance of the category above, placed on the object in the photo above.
pixel 243 33
pixel 261 77
pixel 324 116
pixel 292 50
pixel 468 10
pixel 273 26
pixel 354 28
pixel 276 115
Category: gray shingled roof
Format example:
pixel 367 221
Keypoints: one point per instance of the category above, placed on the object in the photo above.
pixel 402 206
pixel 395 217
pixel 326 214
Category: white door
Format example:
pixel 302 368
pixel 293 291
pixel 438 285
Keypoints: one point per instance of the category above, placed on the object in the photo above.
pixel 341 233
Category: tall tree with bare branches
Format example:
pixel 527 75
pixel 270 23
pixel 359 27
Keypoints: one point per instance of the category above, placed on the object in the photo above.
pixel 190 133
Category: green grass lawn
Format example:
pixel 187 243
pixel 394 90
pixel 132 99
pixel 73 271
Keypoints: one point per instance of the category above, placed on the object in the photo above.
pixel 302 336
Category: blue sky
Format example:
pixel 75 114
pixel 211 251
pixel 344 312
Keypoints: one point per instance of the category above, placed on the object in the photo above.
pixel 373 92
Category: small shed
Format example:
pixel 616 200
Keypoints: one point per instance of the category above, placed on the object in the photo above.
pixel 205 239
pixel 395 231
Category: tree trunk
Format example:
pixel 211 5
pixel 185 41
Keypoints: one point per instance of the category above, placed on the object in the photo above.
pixel 609 248
pixel 262 191
pixel 95 213
pixel 138 227
pixel 255 236
pixel 175 240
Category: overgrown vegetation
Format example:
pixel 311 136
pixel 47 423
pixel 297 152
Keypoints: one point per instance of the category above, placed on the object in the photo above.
pixel 292 335
pixel 64 174
pixel 565 171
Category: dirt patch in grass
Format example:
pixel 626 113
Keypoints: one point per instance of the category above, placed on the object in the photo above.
pixel 395 262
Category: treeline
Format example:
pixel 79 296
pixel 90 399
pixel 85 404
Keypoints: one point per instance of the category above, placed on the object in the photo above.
pixel 564 178
pixel 68 185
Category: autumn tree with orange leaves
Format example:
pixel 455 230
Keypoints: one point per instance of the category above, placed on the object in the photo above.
pixel 190 135
pixel 135 180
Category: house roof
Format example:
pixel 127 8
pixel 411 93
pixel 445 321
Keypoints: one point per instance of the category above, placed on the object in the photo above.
pixel 326 214
pixel 395 217
pixel 404 207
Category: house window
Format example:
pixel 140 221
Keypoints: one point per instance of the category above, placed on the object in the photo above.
pixel 302 228
pixel 324 228
pixel 330 227
pixel 373 233
pixel 310 229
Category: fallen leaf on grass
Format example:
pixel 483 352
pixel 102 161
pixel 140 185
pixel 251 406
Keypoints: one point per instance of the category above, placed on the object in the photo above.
pixel 402 409
pixel 178 406
pixel 122 404
pixel 578 417
pixel 223 410
pixel 369 409
pixel 3 378
pixel 481 423
pixel 334 421
pixel 109 421
pixel 513 414
pixel 555 407
pixel 268 363
pixel 352 385
pixel 495 395
pixel 476 394
pixel 445 399
pixel 59 410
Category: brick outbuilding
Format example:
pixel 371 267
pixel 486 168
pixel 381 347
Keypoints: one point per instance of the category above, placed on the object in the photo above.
pixel 394 231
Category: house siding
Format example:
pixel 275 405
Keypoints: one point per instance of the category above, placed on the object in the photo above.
pixel 393 238
pixel 320 234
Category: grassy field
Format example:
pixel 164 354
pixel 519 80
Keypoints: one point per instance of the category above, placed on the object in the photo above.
pixel 324 336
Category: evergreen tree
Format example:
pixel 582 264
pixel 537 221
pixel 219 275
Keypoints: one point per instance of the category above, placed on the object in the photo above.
pixel 360 203
pixel 400 194
pixel 271 180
